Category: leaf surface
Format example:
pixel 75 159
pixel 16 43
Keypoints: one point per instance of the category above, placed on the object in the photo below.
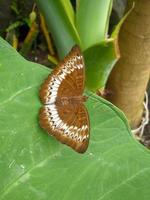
pixel 99 61
pixel 59 16
pixel 92 20
pixel 33 165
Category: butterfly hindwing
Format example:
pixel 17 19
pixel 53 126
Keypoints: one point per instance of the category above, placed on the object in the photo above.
pixel 70 125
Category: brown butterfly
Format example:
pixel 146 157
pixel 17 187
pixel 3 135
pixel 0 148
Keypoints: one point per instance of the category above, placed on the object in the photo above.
pixel 64 115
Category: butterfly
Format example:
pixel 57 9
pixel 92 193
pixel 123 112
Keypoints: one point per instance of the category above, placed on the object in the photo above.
pixel 64 115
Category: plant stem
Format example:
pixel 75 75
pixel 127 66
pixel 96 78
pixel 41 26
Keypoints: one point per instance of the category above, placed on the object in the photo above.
pixel 30 38
pixel 129 78
pixel 46 34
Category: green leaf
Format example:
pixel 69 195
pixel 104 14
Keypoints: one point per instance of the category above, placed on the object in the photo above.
pixel 99 60
pixel 60 23
pixel 69 10
pixel 34 165
pixel 92 21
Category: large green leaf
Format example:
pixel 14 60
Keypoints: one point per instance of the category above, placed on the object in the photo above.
pixel 60 20
pixel 34 165
pixel 99 61
pixel 92 21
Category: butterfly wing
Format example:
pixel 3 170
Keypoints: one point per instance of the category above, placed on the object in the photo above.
pixel 69 124
pixel 69 73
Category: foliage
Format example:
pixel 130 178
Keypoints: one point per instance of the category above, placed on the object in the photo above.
pixel 88 27
pixel 36 166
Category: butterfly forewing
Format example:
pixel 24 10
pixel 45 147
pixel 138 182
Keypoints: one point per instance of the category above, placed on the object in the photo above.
pixel 67 79
pixel 64 115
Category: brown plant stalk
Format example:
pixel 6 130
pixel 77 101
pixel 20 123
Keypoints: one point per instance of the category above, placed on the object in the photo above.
pixel 129 78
